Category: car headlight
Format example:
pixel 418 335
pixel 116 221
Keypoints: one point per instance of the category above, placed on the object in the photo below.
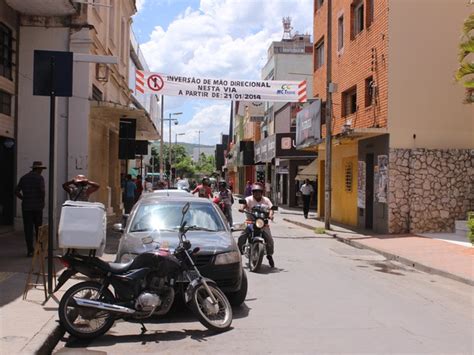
pixel 127 257
pixel 227 258
pixel 260 223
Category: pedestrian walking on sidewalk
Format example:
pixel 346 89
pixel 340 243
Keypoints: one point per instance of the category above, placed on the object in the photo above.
pixel 30 190
pixel 306 192
pixel 80 188
pixel 130 189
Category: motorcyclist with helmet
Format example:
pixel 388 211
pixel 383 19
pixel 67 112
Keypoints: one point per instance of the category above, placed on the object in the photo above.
pixel 203 189
pixel 257 199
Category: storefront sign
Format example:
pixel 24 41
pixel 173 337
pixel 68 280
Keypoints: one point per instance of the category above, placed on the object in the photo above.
pixel 220 89
pixel 286 146
pixel 308 125
pixel 265 150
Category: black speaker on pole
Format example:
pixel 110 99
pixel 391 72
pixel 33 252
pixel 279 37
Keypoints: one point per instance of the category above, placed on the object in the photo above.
pixel 141 147
pixel 127 134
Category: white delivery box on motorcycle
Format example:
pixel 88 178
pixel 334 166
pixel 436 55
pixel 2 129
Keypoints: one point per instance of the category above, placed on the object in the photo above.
pixel 82 226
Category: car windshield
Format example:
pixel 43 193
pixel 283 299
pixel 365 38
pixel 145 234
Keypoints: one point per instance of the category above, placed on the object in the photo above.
pixel 166 215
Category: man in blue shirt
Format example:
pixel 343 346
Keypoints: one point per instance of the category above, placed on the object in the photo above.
pixel 130 188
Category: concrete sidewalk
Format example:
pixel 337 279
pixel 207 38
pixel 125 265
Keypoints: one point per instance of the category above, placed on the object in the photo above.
pixel 30 326
pixel 444 258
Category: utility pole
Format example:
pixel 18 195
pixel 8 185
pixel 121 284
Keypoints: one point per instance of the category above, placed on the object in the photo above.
pixel 199 145
pixel 170 142
pixel 329 91
pixel 161 136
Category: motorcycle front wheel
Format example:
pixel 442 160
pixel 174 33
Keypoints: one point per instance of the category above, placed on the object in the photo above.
pixel 84 322
pixel 216 317
pixel 255 256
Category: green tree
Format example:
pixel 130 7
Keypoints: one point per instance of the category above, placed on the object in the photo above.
pixel 178 153
pixel 185 167
pixel 466 66
pixel 206 164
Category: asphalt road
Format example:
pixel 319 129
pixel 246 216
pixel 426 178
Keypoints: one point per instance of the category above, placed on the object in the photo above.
pixel 322 297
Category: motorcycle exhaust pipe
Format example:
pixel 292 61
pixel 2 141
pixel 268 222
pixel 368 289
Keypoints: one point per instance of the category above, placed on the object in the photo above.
pixel 84 302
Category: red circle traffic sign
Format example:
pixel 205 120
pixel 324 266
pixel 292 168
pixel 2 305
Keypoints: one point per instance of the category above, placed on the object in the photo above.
pixel 155 82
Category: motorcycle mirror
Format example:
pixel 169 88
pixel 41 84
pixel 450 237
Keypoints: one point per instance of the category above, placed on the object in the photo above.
pixel 196 250
pixel 185 208
pixel 274 208
pixel 181 229
pixel 186 244
pixel 242 201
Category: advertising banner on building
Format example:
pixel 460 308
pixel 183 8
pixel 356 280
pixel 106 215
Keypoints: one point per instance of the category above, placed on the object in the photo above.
pixel 308 125
pixel 220 89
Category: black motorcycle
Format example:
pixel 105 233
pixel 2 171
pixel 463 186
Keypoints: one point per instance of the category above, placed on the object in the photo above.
pixel 144 287
pixel 255 247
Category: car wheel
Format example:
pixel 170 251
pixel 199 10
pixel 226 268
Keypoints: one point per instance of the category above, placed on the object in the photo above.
pixel 237 298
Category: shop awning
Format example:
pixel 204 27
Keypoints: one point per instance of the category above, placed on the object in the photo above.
pixel 146 129
pixel 310 172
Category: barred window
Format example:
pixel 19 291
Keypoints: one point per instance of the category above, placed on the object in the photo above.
pixel 6 51
pixel 5 103
pixel 348 172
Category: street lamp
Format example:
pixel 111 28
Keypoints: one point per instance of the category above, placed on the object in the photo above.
pixel 199 145
pixel 169 152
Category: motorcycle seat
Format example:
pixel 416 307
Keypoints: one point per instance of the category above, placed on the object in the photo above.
pixel 115 268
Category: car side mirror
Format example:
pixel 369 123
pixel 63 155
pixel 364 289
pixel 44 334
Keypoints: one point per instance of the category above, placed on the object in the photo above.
pixel 118 227
pixel 242 201
pixel 274 208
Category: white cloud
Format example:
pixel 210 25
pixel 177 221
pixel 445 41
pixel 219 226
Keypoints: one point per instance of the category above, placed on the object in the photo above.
pixel 212 120
pixel 223 39
pixel 139 4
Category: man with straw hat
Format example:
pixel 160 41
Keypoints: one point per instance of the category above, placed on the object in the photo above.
pixel 31 192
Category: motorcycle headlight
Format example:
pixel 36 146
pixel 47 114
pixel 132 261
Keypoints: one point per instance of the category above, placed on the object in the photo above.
pixel 260 223
pixel 127 257
pixel 227 258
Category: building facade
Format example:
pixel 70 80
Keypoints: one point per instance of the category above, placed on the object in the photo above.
pixel 402 138
pixel 288 59
pixel 88 123
pixel 8 109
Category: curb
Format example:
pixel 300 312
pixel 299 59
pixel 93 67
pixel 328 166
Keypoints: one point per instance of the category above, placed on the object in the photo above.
pixel 44 342
pixel 390 256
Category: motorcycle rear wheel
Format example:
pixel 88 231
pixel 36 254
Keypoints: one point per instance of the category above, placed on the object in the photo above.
pixel 83 322
pixel 219 320
pixel 255 256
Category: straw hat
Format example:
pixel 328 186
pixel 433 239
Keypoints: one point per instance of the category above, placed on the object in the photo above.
pixel 38 165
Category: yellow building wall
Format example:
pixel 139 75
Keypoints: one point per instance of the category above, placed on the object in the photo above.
pixel 343 202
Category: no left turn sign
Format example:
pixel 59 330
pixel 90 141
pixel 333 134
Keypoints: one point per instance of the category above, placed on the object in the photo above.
pixel 155 82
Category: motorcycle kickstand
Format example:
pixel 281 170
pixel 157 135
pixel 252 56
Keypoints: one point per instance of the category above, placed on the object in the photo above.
pixel 143 328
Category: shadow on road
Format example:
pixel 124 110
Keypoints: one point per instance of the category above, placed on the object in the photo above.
pixel 152 336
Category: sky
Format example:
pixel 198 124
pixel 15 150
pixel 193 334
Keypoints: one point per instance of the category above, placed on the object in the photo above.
pixel 225 39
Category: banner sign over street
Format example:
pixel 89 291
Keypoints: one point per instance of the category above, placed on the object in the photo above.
pixel 220 89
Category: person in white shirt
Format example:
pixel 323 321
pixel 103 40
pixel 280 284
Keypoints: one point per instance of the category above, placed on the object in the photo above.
pixel 257 198
pixel 306 191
